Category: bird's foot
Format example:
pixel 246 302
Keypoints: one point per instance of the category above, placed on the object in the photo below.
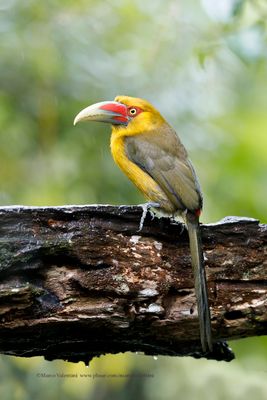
pixel 183 226
pixel 146 207
pixel 178 220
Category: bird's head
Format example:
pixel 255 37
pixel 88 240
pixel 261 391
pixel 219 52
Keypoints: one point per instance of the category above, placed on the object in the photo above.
pixel 128 114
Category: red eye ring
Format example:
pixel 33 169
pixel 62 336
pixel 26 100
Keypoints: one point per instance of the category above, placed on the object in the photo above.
pixel 132 111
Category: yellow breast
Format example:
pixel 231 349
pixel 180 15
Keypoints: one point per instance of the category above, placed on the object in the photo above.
pixel 148 187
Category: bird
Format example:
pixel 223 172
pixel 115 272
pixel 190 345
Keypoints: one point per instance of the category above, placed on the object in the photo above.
pixel 148 150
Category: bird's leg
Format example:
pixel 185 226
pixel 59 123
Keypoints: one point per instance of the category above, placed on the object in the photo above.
pixel 146 207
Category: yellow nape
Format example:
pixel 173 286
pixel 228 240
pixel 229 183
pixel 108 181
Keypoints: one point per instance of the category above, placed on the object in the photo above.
pixel 148 120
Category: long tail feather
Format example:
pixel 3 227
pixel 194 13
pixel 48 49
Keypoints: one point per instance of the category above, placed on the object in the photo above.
pixel 197 260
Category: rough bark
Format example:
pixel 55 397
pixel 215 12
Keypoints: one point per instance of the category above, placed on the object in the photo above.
pixel 80 281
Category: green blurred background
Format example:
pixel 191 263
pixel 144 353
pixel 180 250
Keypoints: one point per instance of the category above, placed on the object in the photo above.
pixel 204 65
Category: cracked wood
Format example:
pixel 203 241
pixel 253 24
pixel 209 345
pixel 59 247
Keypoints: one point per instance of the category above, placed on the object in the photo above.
pixel 80 281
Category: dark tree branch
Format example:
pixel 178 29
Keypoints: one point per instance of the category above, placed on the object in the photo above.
pixel 77 282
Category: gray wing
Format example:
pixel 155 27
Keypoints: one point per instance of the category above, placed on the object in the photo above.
pixel 164 158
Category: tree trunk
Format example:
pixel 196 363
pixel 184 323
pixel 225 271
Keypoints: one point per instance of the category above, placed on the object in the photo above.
pixel 81 281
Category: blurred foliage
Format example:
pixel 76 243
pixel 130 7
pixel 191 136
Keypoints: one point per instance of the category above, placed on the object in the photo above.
pixel 204 65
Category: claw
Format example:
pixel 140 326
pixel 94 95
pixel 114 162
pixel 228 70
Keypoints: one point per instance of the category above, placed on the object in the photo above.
pixel 178 220
pixel 146 207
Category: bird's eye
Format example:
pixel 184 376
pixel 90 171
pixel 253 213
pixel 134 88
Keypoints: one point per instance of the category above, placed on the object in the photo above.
pixel 133 111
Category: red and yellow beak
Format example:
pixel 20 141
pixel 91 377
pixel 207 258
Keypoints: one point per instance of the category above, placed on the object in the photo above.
pixel 106 111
